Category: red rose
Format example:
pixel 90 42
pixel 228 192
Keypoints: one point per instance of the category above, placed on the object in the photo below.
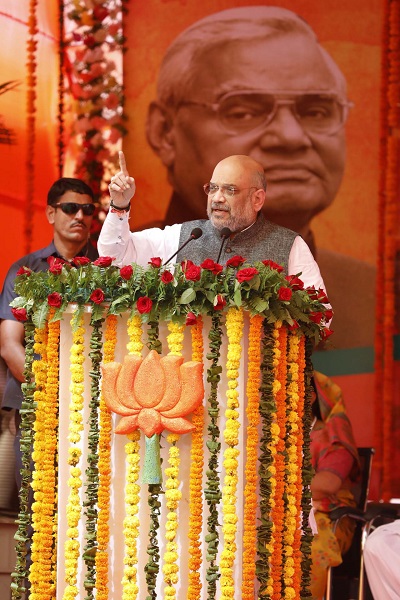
pixel 326 332
pixel 56 268
pixel 97 296
pixel 284 293
pixel 316 317
pixel 144 304
pixel 55 260
pixel 24 271
pixel 273 265
pixel 235 261
pixel 219 302
pixel 312 292
pixel 185 264
pixel 210 265
pixel 246 274
pixel 193 273
pixel 103 261
pixel 322 297
pixel 191 319
pixel 294 326
pixel 20 314
pixel 155 262
pixel 126 272
pixel 81 261
pixel 167 277
pixel 54 299
pixel 295 282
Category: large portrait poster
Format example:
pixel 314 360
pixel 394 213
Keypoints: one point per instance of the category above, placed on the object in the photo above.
pixel 329 194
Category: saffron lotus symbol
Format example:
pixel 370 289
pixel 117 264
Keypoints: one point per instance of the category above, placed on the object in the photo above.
pixel 154 393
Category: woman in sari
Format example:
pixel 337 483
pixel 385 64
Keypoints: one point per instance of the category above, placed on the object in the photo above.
pixel 336 463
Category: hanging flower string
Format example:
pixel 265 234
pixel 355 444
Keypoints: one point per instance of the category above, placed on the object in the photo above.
pixel 104 491
pixel 252 444
pixel 293 480
pixel 31 119
pixel 72 545
pixel 172 492
pixel 196 476
pixel 234 331
pixel 212 491
pixel 40 571
pixel 278 511
pixel 92 481
pixel 132 451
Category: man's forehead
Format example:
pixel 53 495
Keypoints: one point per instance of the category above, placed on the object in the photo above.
pixel 71 196
pixel 286 62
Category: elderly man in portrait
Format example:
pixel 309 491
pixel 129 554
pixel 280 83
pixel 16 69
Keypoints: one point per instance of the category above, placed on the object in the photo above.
pixel 255 81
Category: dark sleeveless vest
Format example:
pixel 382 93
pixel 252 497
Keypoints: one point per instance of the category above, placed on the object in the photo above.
pixel 262 241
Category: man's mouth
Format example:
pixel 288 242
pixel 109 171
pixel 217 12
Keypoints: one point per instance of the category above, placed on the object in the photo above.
pixel 287 172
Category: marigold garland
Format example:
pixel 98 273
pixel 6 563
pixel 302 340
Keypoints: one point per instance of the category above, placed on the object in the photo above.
pixel 196 477
pixel 175 338
pixel 172 498
pixel 252 443
pixel 131 522
pixel 278 511
pixel 234 331
pixel 291 546
pixel 72 545
pixel 105 422
pixel 132 494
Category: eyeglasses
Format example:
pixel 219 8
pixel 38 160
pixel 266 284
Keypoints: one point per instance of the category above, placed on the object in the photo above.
pixel 71 208
pixel 228 191
pixel 316 111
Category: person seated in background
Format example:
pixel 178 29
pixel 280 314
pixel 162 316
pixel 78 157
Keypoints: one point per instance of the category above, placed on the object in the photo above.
pixel 382 560
pixel 335 460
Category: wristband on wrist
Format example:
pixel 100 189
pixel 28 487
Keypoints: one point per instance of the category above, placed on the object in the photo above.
pixel 120 209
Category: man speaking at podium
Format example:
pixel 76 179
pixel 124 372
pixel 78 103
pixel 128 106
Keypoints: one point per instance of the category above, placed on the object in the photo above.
pixel 235 226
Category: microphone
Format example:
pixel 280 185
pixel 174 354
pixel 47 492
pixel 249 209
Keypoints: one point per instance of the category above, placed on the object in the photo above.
pixel 225 233
pixel 195 235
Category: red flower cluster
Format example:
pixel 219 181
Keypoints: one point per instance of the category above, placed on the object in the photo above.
pixel 104 261
pixel 246 274
pixel 126 272
pixel 24 271
pixel 235 261
pixel 155 262
pixel 285 294
pixel 191 319
pixel 166 277
pixel 210 265
pixel 144 304
pixel 20 313
pixel 97 296
pixel 54 299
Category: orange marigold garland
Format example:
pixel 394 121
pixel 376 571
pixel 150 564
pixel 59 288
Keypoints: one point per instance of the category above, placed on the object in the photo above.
pixel 278 510
pixel 293 480
pixel 196 477
pixel 103 526
pixel 252 444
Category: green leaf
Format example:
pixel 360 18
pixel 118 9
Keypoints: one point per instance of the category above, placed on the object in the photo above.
pixel 188 296
pixel 39 317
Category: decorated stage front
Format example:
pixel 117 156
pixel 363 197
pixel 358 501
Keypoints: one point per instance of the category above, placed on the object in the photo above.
pixel 179 427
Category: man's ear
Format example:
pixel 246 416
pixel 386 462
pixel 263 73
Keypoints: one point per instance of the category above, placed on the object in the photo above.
pixel 160 133
pixel 50 212
pixel 258 200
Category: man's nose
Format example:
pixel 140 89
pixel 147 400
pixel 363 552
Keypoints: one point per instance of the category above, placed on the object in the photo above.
pixel 285 130
pixel 219 196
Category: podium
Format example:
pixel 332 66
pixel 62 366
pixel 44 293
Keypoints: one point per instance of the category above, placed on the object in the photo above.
pixel 216 506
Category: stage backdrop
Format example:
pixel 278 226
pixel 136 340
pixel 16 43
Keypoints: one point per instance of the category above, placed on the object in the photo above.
pixel 14 149
pixel 346 232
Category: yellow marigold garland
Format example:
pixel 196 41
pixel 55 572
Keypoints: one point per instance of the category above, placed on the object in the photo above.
pixel 279 389
pixel 72 545
pixel 172 497
pixel 135 344
pixel 131 522
pixel 291 546
pixel 132 450
pixel 234 330
pixel 40 575
pixel 196 477
pixel 103 527
pixel 175 338
pixel 252 444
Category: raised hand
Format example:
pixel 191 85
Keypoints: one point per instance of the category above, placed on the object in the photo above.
pixel 122 187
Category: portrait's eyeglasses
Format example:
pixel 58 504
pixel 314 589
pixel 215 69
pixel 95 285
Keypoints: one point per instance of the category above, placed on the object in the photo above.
pixel 317 112
pixel 228 191
pixel 71 208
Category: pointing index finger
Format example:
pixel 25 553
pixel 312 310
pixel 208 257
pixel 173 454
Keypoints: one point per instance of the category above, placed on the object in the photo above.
pixel 122 163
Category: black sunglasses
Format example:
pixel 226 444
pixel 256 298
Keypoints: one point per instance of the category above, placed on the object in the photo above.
pixel 71 208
